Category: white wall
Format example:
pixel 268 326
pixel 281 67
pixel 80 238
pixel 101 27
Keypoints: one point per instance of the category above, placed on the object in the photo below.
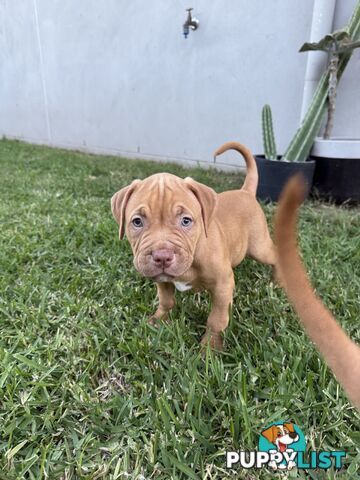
pixel 118 76
pixel 347 116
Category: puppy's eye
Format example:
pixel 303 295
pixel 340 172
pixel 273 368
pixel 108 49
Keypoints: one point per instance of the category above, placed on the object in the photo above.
pixel 186 221
pixel 137 222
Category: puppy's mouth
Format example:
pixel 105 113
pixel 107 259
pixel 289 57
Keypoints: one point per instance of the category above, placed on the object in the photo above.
pixel 282 447
pixel 287 440
pixel 145 264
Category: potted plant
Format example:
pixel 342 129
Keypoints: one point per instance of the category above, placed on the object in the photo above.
pixel 274 172
pixel 337 169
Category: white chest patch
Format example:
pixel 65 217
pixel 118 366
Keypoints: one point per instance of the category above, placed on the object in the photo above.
pixel 182 286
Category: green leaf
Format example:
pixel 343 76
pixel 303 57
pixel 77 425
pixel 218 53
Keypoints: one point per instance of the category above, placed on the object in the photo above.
pixel 11 453
pixel 28 362
pixel 184 468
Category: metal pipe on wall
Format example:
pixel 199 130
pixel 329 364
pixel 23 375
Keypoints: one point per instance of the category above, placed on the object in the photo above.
pixel 322 23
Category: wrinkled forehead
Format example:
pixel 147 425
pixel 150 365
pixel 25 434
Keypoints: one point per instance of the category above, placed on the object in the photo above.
pixel 163 193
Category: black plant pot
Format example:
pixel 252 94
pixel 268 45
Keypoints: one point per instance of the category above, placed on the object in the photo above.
pixel 274 174
pixel 337 179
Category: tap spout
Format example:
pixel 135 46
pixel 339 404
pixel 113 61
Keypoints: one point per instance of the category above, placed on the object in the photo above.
pixel 191 22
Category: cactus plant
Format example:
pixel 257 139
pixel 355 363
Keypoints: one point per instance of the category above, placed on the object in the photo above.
pixel 334 44
pixel 303 140
pixel 268 134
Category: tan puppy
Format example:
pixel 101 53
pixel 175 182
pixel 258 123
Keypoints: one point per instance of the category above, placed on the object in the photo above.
pixel 341 354
pixel 185 235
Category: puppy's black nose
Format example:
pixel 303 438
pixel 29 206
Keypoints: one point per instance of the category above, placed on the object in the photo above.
pixel 292 434
pixel 163 257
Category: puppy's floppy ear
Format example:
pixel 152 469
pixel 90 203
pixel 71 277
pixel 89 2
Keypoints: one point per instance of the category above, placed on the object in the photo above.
pixel 290 427
pixel 270 434
pixel 118 204
pixel 207 198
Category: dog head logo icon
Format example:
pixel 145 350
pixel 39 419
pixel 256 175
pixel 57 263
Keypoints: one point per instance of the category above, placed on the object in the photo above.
pixel 281 435
pixel 282 439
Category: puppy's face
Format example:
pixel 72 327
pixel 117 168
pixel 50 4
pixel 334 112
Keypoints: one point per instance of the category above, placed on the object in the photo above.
pixel 163 217
pixel 281 435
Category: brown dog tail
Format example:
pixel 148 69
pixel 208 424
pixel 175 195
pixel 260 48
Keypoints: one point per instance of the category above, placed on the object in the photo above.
pixel 341 354
pixel 251 179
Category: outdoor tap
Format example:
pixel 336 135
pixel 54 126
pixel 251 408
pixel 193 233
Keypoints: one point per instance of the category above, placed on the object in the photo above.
pixel 191 22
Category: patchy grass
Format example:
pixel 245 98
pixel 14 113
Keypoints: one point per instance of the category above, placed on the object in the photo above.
pixel 90 390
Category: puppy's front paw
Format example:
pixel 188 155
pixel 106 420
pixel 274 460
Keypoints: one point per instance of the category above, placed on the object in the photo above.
pixel 156 320
pixel 215 341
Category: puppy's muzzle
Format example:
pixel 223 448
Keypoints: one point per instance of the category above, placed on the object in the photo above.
pixel 163 258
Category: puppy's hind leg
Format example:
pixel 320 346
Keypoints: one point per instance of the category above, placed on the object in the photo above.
pixel 166 296
pixel 265 252
pixel 260 245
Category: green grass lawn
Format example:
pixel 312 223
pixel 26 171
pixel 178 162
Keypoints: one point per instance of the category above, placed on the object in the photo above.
pixel 89 390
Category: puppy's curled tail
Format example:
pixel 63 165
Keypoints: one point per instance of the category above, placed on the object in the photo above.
pixel 341 354
pixel 251 179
